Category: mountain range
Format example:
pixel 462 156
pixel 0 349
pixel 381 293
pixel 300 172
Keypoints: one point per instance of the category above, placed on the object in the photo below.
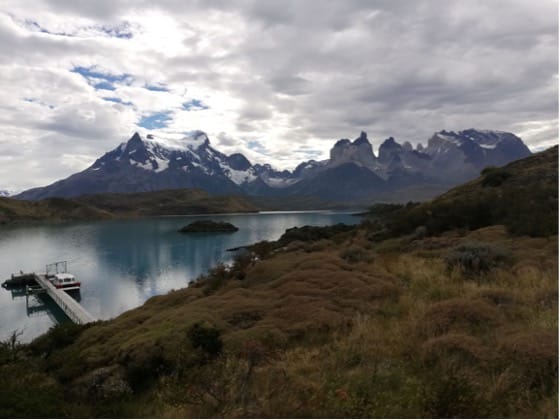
pixel 352 172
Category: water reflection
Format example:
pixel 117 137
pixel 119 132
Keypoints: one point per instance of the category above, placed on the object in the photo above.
pixel 121 264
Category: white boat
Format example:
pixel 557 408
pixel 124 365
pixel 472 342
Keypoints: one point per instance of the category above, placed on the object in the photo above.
pixel 65 281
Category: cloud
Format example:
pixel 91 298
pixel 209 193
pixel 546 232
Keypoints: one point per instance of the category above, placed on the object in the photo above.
pixel 293 77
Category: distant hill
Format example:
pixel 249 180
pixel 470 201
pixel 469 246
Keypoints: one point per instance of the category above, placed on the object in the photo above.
pixel 153 203
pixel 104 206
pixel 50 209
pixel 167 202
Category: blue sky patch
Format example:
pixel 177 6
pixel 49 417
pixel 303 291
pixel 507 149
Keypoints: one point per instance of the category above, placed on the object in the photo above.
pixel 104 86
pixel 256 146
pixel 36 101
pixel 157 88
pixel 99 80
pixel 116 100
pixel 121 31
pixel 156 120
pixel 194 105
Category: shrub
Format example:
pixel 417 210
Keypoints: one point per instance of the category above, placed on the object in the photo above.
pixel 57 337
pixel 454 395
pixel 10 348
pixel 313 233
pixel 354 255
pixel 494 177
pixel 476 258
pixel 462 349
pixel 207 339
pixel 263 249
pixel 216 278
pixel 453 314
pixel 144 365
pixel 534 356
pixel 241 263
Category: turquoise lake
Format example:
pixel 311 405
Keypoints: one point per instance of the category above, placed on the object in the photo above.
pixel 121 264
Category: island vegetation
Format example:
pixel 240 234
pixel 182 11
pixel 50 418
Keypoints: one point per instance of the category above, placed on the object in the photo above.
pixel 440 310
pixel 208 226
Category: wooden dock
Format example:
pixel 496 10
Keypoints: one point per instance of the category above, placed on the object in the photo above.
pixel 71 308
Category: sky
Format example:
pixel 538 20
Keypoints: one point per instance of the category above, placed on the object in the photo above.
pixel 279 81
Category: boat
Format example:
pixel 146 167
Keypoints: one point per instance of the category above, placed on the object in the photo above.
pixel 55 273
pixel 19 280
pixel 64 281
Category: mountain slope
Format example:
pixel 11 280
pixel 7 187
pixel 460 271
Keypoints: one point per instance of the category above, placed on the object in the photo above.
pixel 522 195
pixel 352 172
pixel 147 165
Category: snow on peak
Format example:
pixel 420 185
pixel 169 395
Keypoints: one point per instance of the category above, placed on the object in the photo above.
pixel 450 136
pixel 191 141
pixel 238 177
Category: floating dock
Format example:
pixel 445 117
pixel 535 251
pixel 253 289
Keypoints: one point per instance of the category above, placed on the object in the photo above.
pixel 71 308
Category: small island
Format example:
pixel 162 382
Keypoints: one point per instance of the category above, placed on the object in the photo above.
pixel 208 226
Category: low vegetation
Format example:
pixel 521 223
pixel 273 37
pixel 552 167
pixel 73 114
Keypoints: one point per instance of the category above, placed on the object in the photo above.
pixel 523 196
pixel 145 204
pixel 326 322
pixel 52 209
pixel 208 226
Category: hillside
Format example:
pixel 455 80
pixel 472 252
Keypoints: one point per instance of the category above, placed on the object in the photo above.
pixel 449 321
pixel 105 206
pixel 51 210
pixel 153 203
pixel 167 202
pixel 522 195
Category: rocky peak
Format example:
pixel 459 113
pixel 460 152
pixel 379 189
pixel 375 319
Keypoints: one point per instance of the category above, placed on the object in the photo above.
pixel 358 152
pixel 342 143
pixel 362 139
pixel 389 149
pixel 134 142
pixel 238 162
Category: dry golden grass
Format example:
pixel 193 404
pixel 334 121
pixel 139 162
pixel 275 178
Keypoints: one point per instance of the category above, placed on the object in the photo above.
pixel 465 350
pixel 459 315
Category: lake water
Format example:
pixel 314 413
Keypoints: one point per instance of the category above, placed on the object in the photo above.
pixel 123 263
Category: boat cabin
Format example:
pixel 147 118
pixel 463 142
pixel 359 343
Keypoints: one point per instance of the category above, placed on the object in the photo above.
pixel 65 281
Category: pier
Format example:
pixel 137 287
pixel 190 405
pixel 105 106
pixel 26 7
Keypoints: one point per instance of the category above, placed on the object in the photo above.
pixel 71 308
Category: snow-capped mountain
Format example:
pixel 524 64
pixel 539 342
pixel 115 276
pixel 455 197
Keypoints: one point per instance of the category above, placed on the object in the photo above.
pixel 156 163
pixel 5 193
pixel 352 171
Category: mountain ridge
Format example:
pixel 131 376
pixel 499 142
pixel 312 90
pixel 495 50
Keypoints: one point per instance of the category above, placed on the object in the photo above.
pixel 352 172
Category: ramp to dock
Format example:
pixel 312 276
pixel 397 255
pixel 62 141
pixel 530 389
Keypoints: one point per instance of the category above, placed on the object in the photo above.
pixel 71 308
